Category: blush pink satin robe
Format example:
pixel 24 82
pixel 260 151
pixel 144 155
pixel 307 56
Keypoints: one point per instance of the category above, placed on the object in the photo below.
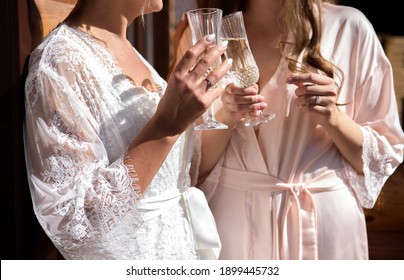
pixel 289 194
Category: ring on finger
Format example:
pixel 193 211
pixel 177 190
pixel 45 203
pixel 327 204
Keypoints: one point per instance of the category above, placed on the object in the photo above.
pixel 207 73
pixel 318 100
pixel 209 83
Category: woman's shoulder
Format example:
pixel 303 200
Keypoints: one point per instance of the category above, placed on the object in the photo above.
pixel 55 38
pixel 345 17
pixel 341 10
pixel 54 48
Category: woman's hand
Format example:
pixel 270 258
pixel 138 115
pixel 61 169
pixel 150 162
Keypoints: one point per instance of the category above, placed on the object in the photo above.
pixel 239 103
pixel 189 91
pixel 317 95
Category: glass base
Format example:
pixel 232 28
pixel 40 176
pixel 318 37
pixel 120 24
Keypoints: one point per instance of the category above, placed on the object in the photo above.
pixel 261 119
pixel 211 125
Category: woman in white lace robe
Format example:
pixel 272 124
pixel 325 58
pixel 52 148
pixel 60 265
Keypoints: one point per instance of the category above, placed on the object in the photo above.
pixel 294 188
pixel 104 140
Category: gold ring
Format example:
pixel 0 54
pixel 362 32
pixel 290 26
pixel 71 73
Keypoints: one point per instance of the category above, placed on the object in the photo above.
pixel 207 73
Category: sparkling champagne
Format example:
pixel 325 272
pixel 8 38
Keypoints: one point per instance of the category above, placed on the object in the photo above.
pixel 244 71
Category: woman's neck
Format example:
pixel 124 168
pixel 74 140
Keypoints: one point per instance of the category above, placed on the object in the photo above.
pixel 100 17
pixel 263 15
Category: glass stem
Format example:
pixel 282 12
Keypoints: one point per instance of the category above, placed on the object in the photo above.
pixel 211 115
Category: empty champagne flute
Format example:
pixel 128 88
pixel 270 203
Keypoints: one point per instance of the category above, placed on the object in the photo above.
pixel 244 71
pixel 202 22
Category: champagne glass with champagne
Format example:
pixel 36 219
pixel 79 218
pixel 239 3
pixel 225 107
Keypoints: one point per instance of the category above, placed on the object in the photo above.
pixel 244 71
pixel 202 22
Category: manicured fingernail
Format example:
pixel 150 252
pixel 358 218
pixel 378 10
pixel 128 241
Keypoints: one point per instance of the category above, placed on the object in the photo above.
pixel 229 61
pixel 224 44
pixel 210 37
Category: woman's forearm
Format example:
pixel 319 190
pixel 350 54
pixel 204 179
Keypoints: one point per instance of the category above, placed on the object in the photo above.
pixel 214 143
pixel 347 136
pixel 148 151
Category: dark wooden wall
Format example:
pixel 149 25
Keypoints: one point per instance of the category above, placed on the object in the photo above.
pixel 386 16
pixel 21 235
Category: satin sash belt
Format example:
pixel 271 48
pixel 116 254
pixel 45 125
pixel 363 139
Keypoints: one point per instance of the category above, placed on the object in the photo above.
pixel 298 232
pixel 199 216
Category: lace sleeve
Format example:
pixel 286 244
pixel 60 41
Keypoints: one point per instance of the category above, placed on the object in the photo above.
pixel 78 195
pixel 383 136
pixel 378 166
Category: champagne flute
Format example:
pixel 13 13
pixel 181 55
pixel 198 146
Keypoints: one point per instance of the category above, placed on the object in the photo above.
pixel 202 22
pixel 244 71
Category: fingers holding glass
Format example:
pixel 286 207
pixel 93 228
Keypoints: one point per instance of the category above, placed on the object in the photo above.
pixel 244 72
pixel 202 22
pixel 192 56
pixel 213 77
pixel 210 61
pixel 242 103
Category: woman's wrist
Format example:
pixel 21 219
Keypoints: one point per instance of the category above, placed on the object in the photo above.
pixel 335 121
pixel 227 119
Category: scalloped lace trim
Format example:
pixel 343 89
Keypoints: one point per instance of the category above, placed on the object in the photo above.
pixel 375 157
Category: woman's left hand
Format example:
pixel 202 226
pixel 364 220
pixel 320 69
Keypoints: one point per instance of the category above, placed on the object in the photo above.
pixel 317 95
pixel 238 103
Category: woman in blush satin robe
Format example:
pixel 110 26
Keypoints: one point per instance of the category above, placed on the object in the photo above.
pixel 295 188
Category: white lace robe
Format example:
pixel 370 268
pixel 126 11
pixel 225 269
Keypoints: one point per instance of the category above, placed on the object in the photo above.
pixel 81 115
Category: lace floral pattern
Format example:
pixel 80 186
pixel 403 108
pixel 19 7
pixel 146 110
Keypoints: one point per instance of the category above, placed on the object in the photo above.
pixel 81 115
pixel 375 158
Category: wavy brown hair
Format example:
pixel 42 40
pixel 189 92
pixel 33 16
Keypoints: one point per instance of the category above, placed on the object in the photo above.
pixel 295 17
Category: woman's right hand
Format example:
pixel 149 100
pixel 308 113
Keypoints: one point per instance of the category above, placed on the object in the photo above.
pixel 188 92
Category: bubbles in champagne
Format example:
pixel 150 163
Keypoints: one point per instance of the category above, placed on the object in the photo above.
pixel 244 71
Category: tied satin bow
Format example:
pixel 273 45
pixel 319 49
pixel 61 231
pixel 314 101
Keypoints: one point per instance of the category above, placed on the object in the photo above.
pixel 298 223
pixel 199 216
pixel 299 231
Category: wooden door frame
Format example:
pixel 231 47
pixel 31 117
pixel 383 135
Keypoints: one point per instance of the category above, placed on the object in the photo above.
pixel 21 233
